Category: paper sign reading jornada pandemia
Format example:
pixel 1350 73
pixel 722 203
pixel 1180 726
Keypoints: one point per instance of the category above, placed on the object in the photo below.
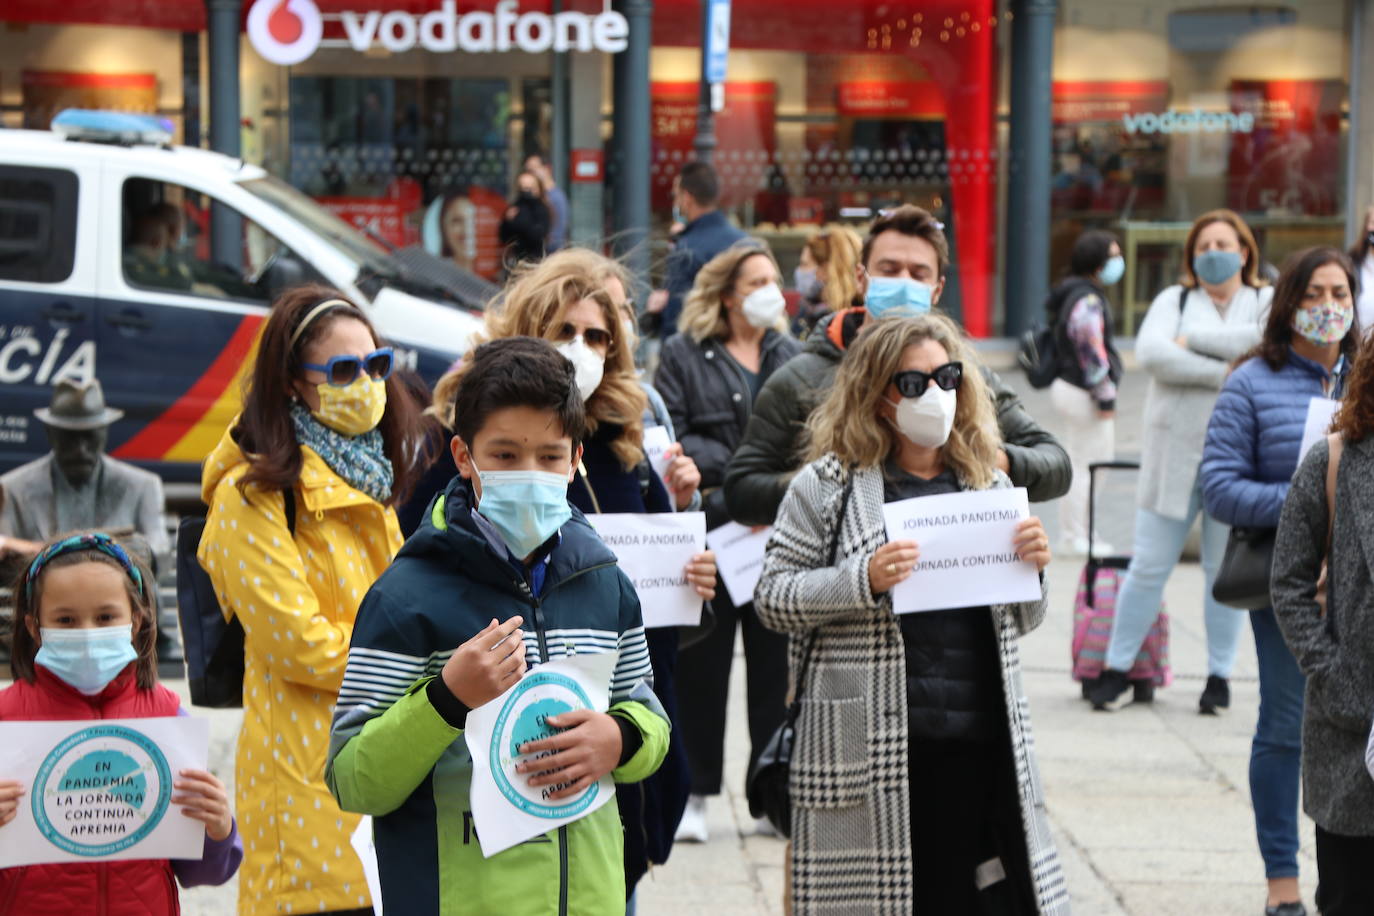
pixel 1320 412
pixel 100 789
pixel 739 557
pixel 505 808
pixel 653 550
pixel 968 558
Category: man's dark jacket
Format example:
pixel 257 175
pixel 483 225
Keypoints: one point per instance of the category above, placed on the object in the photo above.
pixel 704 238
pixel 770 454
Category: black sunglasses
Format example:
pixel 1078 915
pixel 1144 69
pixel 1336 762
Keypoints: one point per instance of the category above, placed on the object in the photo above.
pixel 596 338
pixel 913 384
pixel 340 371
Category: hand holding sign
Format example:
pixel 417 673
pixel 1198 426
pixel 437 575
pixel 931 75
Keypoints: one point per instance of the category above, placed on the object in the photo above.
pixel 1032 543
pixel 701 572
pixel 11 791
pixel 484 667
pixel 203 798
pixel 891 564
pixel 588 748
pixel 678 472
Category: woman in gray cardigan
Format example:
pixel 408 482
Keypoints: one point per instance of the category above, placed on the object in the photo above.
pixel 1335 649
pixel 1190 337
pixel 913 783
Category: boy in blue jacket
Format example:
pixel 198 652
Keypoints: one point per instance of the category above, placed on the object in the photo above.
pixel 503 574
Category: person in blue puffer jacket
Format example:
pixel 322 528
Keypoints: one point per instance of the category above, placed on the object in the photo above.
pixel 1252 449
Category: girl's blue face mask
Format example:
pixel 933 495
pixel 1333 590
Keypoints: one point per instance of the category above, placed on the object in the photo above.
pixel 897 297
pixel 526 507
pixel 1112 271
pixel 88 658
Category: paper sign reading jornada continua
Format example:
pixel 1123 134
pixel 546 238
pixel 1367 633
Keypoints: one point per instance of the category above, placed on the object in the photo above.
pixel 505 807
pixel 653 550
pixel 739 557
pixel 968 558
pixel 100 789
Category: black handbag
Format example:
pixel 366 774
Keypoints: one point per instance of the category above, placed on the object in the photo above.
pixel 1243 580
pixel 767 785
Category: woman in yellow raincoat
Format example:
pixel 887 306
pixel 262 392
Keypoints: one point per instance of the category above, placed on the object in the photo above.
pixel 326 426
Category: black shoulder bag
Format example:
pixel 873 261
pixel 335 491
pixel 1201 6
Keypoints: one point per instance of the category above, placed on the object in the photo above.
pixel 767 786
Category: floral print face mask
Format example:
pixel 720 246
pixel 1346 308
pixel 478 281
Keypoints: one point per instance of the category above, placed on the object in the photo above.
pixel 1325 323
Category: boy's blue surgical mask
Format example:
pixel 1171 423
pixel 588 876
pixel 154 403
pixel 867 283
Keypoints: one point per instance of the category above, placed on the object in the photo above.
pixel 87 659
pixel 896 297
pixel 1215 267
pixel 526 507
pixel 1112 270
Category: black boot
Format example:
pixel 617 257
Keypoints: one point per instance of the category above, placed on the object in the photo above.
pixel 1143 690
pixel 1216 695
pixel 1108 688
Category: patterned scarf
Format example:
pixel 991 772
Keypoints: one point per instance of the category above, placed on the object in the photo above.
pixel 359 460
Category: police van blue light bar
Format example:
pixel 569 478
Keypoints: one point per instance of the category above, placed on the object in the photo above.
pixel 112 127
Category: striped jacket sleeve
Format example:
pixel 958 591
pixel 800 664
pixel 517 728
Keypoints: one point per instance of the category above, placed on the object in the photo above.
pixel 386 734
pixel 800 588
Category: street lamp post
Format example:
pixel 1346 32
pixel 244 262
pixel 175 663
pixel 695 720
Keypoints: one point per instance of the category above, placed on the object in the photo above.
pixel 704 144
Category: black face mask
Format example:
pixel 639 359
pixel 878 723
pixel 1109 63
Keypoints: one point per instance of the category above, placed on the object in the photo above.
pixel 1370 238
pixel 527 195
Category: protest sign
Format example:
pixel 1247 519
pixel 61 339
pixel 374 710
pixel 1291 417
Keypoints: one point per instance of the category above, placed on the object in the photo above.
pixel 100 789
pixel 739 557
pixel 653 550
pixel 656 442
pixel 366 848
pixel 505 808
pixel 1320 412
pixel 968 558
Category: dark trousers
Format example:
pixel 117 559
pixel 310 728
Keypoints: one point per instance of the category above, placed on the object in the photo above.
pixel 965 811
pixel 1345 874
pixel 703 687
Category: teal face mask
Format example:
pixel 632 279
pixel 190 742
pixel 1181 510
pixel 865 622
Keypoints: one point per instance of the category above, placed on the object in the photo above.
pixel 1216 267
pixel 896 297
pixel 87 659
pixel 1112 271
pixel 526 507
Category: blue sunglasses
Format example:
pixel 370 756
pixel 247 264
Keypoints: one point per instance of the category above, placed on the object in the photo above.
pixel 340 371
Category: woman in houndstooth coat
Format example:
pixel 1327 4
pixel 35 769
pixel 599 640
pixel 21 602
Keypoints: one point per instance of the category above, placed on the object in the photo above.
pixel 913 781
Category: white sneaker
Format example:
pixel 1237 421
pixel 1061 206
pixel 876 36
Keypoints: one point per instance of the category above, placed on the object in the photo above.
pixel 692 827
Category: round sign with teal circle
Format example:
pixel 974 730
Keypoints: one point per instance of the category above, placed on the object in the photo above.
pixel 101 791
pixel 524 718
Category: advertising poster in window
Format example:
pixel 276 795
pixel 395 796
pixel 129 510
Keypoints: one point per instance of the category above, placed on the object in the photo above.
pixel 746 138
pixel 1289 162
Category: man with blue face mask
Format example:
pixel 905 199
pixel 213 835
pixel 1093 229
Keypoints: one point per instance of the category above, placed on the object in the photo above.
pixel 902 272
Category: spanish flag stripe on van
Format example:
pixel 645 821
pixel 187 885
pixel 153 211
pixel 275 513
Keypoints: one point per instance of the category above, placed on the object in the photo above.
pixel 190 427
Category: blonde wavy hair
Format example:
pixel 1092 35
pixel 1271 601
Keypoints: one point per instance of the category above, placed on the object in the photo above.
pixel 837 248
pixel 704 313
pixel 848 422
pixel 534 305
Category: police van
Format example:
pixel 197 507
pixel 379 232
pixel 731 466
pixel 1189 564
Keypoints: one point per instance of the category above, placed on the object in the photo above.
pixel 151 268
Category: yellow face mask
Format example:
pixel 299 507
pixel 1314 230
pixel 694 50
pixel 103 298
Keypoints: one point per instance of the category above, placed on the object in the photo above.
pixel 353 409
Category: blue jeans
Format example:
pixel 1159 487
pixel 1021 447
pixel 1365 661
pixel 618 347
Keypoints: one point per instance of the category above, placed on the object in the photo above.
pixel 1276 751
pixel 1159 543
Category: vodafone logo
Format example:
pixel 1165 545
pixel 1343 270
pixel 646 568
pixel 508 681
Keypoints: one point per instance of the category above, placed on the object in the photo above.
pixel 285 32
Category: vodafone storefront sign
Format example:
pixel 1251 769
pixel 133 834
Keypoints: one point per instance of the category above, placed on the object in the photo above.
pixel 288 31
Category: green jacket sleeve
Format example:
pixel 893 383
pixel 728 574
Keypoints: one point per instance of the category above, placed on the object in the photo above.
pixel 653 730
pixel 1037 461
pixel 373 768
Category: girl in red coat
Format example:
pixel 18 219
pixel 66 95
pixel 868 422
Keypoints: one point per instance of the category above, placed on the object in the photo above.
pixel 83 649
